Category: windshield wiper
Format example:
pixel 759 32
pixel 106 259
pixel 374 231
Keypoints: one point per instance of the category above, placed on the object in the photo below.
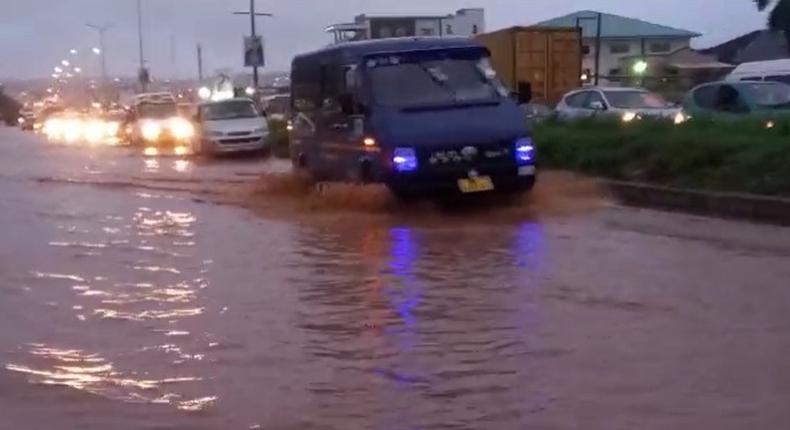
pixel 439 82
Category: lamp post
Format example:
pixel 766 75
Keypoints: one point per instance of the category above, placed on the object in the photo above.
pixel 102 51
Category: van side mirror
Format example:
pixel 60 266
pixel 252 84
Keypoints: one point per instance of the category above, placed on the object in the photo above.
pixel 597 105
pixel 346 103
pixel 524 92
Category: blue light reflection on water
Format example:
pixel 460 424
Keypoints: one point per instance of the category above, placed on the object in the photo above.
pixel 405 294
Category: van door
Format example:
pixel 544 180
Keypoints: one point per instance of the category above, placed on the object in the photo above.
pixel 305 102
pixel 340 125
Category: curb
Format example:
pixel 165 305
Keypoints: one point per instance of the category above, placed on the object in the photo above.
pixel 751 207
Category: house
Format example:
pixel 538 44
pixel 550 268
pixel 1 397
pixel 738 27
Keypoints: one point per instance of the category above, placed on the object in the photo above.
pixel 465 22
pixel 759 45
pixel 620 38
pixel 675 73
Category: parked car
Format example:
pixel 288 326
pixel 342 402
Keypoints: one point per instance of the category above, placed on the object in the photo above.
pixel 277 106
pixel 773 71
pixel 537 112
pixel 228 126
pixel 425 116
pixel 738 98
pixel 624 102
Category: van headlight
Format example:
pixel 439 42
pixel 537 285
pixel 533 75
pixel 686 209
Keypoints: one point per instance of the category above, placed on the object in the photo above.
pixel 525 151
pixel 181 128
pixel 404 160
pixel 151 130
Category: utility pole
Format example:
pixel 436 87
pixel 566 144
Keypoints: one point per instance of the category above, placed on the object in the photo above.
pixel 598 48
pixel 143 74
pixel 599 21
pixel 102 29
pixel 200 62
pixel 253 34
pixel 173 60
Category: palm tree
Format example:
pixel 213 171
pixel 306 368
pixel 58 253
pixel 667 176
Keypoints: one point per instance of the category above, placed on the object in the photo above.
pixel 779 18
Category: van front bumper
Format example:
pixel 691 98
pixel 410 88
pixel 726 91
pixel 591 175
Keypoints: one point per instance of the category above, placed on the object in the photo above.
pixel 511 179
pixel 234 145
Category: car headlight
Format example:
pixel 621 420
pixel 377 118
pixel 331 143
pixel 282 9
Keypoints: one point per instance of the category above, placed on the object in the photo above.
pixel 181 128
pixel 111 128
pixel 525 151
pixel 151 131
pixel 629 116
pixel 680 118
pixel 260 130
pixel 93 131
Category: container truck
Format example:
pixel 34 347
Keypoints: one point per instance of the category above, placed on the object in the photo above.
pixel 550 59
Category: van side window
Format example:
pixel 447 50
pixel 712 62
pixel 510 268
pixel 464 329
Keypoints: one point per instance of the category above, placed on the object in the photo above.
pixel 332 86
pixel 785 79
pixel 351 77
pixel 306 88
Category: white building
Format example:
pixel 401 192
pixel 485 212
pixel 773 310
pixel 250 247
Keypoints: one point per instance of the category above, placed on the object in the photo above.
pixel 621 38
pixel 465 22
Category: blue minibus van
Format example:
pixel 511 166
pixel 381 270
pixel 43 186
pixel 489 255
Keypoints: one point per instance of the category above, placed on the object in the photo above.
pixel 422 115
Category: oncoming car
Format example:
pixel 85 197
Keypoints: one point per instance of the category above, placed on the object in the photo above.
pixel 626 103
pixel 154 123
pixel 425 116
pixel 234 125
pixel 739 98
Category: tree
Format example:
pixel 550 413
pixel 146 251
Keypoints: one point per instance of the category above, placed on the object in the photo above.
pixel 779 17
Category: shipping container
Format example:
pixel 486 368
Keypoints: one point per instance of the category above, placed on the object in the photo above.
pixel 550 59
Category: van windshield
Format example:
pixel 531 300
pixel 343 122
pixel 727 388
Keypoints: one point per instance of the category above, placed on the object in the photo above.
pixel 428 82
pixel 157 110
pixel 229 110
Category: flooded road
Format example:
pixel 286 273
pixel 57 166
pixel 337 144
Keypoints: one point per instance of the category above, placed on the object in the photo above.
pixel 175 294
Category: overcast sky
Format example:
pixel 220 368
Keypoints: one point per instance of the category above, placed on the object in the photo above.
pixel 36 34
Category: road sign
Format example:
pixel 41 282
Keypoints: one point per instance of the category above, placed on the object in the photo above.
pixel 253 52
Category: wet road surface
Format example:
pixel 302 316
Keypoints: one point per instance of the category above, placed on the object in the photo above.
pixel 175 294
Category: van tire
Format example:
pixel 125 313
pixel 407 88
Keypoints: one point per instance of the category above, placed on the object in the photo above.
pixel 365 172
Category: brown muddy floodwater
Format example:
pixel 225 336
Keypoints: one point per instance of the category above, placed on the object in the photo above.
pixel 183 294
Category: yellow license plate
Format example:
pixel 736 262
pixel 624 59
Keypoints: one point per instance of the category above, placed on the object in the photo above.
pixel 476 185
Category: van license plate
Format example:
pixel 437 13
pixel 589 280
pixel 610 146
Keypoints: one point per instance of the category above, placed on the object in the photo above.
pixel 476 185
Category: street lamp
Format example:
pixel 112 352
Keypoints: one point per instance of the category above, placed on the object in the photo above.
pixel 65 63
pixel 101 29
pixel 73 52
pixel 77 70
pixel 58 69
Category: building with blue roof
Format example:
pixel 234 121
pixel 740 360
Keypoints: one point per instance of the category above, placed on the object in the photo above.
pixel 621 38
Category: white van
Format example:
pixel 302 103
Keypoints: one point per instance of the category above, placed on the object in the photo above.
pixel 774 70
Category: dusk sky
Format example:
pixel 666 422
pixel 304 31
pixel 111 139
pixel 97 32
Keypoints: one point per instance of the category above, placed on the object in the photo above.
pixel 36 34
